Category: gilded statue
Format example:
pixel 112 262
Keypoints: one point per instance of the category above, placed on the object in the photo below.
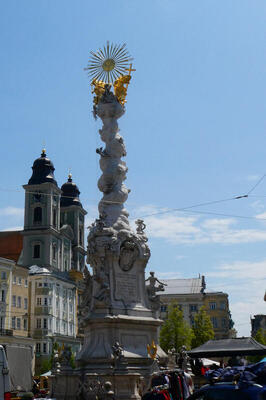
pixel 97 88
pixel 121 90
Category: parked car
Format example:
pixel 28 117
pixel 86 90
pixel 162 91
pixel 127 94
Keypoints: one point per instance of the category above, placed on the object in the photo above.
pixel 230 391
pixel 5 385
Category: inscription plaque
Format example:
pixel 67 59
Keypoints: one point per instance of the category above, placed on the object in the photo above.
pixel 126 287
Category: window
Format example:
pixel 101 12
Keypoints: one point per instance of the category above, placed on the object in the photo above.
pixel 54 217
pixel 14 301
pixel 212 305
pixel 19 302
pixel 13 322
pixel 163 308
pixel 19 280
pixel 38 323
pixel 64 327
pixel 214 322
pixel 50 301
pixel 18 323
pixel 71 307
pixel 38 347
pixel 57 326
pixel 44 347
pixel 193 307
pixel 25 324
pixel 14 279
pixel 45 301
pixel 3 296
pixel 65 265
pixel 80 236
pixel 45 323
pixel 222 305
pixel 39 301
pixel 223 322
pixel 39 284
pixel 26 282
pixel 54 252
pixel 37 215
pixel 57 303
pixel 36 251
pixel 25 304
pixel 3 275
pixel 45 284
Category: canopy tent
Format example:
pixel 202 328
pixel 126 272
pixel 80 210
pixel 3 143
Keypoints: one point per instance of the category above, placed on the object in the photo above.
pixel 244 346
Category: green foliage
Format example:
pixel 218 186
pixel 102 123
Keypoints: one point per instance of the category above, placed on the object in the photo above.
pixel 260 337
pixel 45 366
pixel 175 331
pixel 202 328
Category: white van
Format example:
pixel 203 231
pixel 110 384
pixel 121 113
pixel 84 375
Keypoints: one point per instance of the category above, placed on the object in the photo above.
pixel 4 376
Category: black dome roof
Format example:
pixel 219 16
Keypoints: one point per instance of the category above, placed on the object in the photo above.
pixel 70 194
pixel 42 171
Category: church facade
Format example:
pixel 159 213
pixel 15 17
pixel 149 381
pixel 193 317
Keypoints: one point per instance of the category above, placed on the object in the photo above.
pixel 52 251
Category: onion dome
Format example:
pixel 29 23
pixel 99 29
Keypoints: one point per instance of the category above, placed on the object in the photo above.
pixel 70 194
pixel 43 171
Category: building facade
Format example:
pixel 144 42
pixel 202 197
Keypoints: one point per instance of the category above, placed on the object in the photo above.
pixel 43 277
pixel 191 295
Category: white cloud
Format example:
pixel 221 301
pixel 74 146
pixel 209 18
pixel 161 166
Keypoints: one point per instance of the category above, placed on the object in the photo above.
pixel 12 211
pixel 179 229
pixel 253 178
pixel 14 228
pixel 245 282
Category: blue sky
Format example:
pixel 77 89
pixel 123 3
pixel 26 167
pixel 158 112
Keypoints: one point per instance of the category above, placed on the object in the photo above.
pixel 194 128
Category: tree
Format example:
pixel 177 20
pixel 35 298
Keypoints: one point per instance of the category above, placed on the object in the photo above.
pixel 175 331
pixel 260 336
pixel 202 328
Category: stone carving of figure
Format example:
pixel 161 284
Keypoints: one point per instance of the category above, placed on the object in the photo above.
pixel 65 357
pixel 86 297
pixel 102 278
pixel 183 358
pixel 152 289
pixel 118 353
pixel 171 358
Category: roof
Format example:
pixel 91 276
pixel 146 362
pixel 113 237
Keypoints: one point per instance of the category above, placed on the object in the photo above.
pixel 42 171
pixel 11 244
pixel 229 347
pixel 70 194
pixel 183 286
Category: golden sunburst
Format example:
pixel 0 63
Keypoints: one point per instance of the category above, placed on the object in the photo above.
pixel 109 63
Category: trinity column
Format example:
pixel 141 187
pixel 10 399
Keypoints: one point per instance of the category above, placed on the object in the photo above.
pixel 119 312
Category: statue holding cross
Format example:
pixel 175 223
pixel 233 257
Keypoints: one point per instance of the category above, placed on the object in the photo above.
pixel 119 88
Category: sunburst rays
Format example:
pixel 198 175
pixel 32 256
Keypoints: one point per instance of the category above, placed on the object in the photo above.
pixel 109 63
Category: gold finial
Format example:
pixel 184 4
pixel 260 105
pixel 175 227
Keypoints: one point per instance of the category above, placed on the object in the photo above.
pixel 152 350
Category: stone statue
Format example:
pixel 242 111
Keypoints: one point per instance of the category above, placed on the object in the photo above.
pixel 152 289
pixel 183 358
pixel 171 362
pixel 65 358
pixel 119 358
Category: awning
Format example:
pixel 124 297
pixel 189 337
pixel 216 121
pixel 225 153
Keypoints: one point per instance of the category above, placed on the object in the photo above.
pixel 229 347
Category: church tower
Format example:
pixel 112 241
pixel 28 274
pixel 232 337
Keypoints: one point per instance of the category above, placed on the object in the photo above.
pixel 44 243
pixel 72 214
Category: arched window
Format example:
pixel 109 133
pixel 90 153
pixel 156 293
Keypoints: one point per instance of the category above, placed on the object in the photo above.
pixel 37 215
pixel 36 251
